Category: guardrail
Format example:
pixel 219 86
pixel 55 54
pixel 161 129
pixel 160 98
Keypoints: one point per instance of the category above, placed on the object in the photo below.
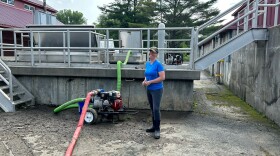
pixel 27 36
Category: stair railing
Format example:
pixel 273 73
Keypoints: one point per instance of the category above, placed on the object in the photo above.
pixel 6 69
pixel 247 17
pixel 10 78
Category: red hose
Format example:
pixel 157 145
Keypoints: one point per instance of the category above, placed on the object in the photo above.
pixel 79 126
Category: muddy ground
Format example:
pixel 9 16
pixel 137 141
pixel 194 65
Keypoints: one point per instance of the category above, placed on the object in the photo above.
pixel 216 126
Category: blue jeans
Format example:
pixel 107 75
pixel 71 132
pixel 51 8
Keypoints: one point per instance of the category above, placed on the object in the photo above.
pixel 154 98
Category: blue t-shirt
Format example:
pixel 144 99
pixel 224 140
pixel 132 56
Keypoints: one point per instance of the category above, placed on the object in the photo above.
pixel 151 73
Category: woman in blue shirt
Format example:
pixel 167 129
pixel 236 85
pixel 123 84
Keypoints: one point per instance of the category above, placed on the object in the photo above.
pixel 154 77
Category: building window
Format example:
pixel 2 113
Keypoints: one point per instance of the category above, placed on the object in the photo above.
pixel 12 2
pixel 28 7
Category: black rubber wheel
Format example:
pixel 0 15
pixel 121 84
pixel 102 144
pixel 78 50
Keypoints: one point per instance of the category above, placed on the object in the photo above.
pixel 91 116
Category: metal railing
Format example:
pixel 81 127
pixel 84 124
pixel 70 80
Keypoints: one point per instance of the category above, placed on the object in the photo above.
pixel 6 69
pixel 247 17
pixel 36 35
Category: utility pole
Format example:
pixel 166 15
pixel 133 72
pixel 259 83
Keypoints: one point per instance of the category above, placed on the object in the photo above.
pixel 45 6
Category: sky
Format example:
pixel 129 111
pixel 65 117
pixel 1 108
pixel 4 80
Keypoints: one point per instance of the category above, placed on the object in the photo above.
pixel 91 12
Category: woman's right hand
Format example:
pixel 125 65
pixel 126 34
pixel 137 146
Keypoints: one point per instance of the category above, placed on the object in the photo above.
pixel 144 83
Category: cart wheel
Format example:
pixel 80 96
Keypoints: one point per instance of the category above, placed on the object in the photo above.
pixel 91 116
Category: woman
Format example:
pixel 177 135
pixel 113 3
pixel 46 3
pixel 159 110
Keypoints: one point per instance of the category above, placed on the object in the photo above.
pixel 154 77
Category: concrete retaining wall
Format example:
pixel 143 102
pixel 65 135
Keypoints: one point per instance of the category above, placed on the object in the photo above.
pixel 254 75
pixel 58 85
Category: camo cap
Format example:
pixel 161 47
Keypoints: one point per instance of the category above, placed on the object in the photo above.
pixel 154 50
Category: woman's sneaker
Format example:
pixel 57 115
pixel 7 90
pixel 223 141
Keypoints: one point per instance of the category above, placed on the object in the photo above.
pixel 150 130
pixel 157 134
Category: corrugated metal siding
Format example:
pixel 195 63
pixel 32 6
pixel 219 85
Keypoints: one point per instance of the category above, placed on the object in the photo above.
pixel 11 16
pixel 38 5
pixel 269 17
pixel 20 4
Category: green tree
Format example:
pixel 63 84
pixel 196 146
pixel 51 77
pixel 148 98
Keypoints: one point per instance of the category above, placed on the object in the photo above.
pixel 185 13
pixel 147 13
pixel 127 14
pixel 131 13
pixel 68 16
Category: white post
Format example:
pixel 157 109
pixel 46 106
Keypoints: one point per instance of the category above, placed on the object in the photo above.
pixel 1 42
pixel 276 13
pixel 68 47
pixel 89 45
pixel 31 45
pixel 246 26
pixel 238 23
pixel 255 20
pixel 22 44
pixel 148 43
pixel 161 40
pixel 39 45
pixel 194 48
pixel 64 45
pixel 265 14
pixel 15 44
pixel 107 47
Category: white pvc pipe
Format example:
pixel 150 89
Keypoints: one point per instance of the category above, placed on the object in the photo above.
pixel 265 14
pixel 276 13
pixel 161 41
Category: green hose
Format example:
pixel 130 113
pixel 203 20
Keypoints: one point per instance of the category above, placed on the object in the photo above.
pixel 74 105
pixel 69 103
pixel 119 73
pixel 127 57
